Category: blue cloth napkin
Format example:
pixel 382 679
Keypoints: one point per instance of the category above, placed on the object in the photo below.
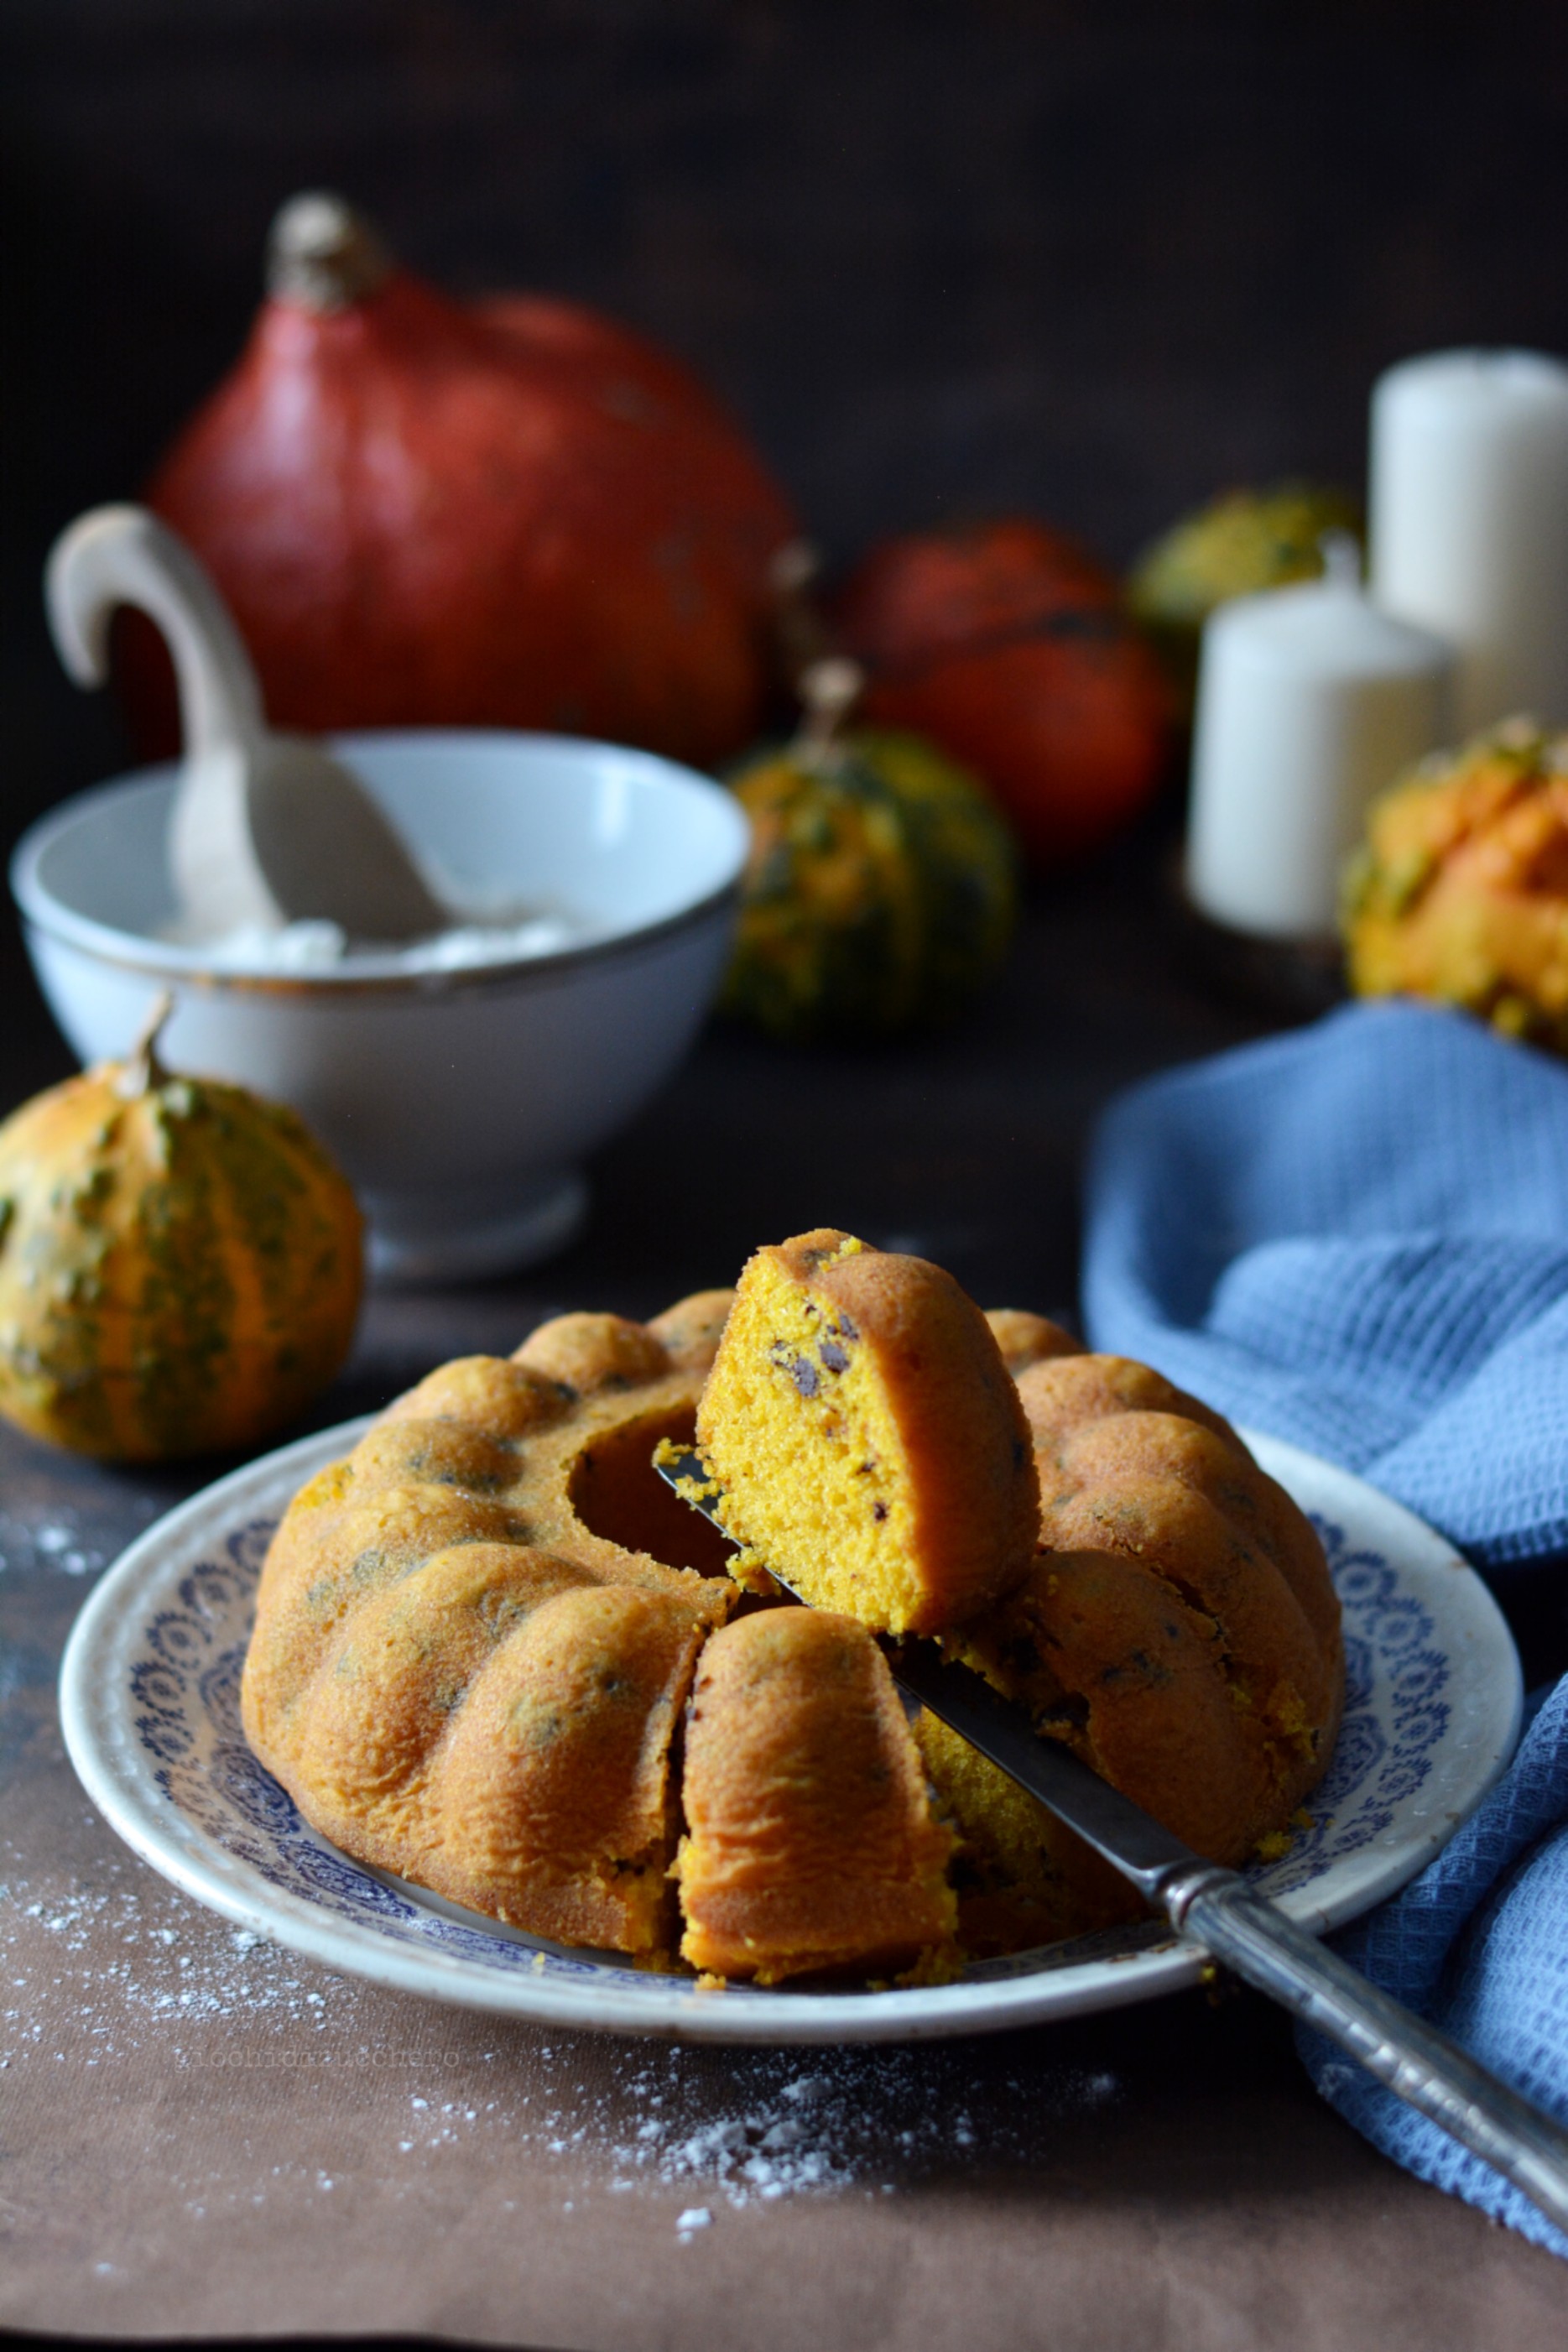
pixel 1356 1236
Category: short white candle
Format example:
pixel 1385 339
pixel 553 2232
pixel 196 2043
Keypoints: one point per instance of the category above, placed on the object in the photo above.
pixel 1469 513
pixel 1309 701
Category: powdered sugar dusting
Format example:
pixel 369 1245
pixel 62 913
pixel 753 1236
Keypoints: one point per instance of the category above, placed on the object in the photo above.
pixel 838 2122
pixel 129 1966
pixel 139 1965
pixel 57 1543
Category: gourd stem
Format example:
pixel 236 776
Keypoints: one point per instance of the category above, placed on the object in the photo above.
pixel 829 691
pixel 324 254
pixel 800 636
pixel 143 1070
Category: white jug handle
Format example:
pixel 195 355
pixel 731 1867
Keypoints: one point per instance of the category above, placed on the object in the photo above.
pixel 123 555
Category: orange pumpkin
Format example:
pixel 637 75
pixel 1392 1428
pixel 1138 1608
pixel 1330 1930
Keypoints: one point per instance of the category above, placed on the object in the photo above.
pixel 511 513
pixel 1008 647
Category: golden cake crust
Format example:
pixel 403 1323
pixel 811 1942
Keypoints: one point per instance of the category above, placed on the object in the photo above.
pixel 1024 1339
pixel 810 1842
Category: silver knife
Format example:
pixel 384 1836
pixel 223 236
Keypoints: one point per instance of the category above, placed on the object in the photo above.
pixel 1218 1910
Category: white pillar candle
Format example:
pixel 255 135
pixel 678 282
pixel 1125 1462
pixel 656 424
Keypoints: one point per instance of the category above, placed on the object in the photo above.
pixel 1309 701
pixel 1469 513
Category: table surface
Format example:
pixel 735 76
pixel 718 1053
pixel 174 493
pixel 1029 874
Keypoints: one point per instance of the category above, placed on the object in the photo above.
pixel 200 2136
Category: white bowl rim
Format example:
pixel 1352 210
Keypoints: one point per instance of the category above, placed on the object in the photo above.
pixel 190 967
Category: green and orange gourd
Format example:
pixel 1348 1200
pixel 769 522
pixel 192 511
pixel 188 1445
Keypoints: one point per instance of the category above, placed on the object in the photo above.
pixel 180 1263
pixel 1459 892
pixel 881 889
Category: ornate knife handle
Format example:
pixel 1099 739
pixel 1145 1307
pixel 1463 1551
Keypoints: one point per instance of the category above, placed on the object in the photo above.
pixel 1218 1910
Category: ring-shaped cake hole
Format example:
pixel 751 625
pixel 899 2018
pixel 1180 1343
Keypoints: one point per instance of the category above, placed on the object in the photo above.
pixel 617 1494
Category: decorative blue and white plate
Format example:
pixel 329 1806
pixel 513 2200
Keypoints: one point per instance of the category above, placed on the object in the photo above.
pixel 149 1701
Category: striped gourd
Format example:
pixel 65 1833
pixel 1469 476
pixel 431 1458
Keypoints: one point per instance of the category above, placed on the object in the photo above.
pixel 881 889
pixel 180 1263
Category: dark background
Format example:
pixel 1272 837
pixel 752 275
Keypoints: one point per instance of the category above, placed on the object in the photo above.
pixel 1091 257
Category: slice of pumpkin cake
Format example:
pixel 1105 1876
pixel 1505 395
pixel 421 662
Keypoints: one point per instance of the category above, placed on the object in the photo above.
pixel 870 1446
pixel 812 1843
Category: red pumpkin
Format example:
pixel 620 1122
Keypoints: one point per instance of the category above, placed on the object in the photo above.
pixel 510 513
pixel 1008 645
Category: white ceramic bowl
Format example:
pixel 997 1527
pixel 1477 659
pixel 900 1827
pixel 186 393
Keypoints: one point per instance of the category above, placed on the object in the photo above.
pixel 460 1102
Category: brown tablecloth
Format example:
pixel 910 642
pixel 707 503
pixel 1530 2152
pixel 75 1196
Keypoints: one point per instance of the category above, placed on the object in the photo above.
pixel 199 2135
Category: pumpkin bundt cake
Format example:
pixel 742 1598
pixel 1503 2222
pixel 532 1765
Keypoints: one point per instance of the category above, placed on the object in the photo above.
pixel 492 1653
pixel 869 1443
